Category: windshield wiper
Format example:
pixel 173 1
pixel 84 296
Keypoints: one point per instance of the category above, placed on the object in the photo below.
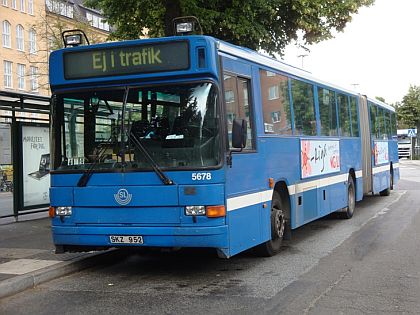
pixel 165 179
pixel 84 179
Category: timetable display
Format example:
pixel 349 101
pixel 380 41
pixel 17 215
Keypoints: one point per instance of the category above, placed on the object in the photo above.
pixel 126 60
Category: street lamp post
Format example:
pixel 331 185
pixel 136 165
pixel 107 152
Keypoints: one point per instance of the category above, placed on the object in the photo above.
pixel 302 56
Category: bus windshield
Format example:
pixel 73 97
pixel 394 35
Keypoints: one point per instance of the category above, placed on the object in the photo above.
pixel 177 125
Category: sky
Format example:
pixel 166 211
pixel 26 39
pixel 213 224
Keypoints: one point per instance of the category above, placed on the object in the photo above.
pixel 378 54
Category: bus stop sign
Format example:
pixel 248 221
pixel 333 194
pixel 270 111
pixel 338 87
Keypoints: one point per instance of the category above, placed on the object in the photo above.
pixel 411 133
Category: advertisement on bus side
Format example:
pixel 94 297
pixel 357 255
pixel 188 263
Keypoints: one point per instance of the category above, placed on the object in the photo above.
pixel 319 157
pixel 380 150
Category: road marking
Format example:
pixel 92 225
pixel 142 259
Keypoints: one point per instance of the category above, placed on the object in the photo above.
pixel 323 294
pixel 22 266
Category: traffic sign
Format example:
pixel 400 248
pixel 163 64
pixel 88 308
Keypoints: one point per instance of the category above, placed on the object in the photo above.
pixel 411 133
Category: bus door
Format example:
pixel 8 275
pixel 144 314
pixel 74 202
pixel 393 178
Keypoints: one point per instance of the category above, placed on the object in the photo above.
pixel 366 144
pixel 243 178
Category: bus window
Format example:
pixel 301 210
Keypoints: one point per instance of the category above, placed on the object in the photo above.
pixel 393 124
pixel 373 121
pixel 381 123
pixel 238 105
pixel 354 117
pixel 344 115
pixel 303 107
pixel 275 103
pixel 388 124
pixel 327 112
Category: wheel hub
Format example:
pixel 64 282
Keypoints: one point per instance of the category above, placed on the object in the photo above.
pixel 278 224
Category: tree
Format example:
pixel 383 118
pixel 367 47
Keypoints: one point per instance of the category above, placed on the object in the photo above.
pixel 49 28
pixel 257 24
pixel 409 111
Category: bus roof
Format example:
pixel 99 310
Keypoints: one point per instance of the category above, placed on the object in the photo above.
pixel 234 51
pixel 270 62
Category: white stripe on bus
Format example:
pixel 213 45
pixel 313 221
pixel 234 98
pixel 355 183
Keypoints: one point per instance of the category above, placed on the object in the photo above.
pixel 266 195
pixel 380 169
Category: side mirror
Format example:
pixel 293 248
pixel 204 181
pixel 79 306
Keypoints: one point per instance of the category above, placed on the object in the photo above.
pixel 239 133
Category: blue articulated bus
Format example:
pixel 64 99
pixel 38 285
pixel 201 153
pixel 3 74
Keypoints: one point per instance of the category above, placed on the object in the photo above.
pixel 193 142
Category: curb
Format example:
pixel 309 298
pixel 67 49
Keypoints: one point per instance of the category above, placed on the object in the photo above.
pixel 29 280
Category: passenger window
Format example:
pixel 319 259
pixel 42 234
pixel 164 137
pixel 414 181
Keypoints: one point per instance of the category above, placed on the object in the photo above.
pixel 393 124
pixel 237 99
pixel 381 123
pixel 388 123
pixel 354 117
pixel 373 121
pixel 327 112
pixel 275 103
pixel 344 115
pixel 303 108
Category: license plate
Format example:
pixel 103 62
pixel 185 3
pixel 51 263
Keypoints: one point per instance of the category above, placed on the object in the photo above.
pixel 126 239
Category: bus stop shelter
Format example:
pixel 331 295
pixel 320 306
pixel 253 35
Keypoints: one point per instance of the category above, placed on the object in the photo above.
pixel 24 154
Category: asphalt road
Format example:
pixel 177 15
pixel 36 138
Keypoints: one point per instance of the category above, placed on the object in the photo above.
pixel 370 264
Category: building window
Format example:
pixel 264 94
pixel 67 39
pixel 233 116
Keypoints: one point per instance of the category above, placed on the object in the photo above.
pixel 32 41
pixel 22 5
pixel 275 103
pixel 8 79
pixel 270 74
pixel 60 7
pixel 229 96
pixel 20 38
pixel 273 92
pixel 34 79
pixel 31 7
pixel 4 2
pixel 21 76
pixel 14 5
pixel 275 117
pixel 6 34
pixel 97 21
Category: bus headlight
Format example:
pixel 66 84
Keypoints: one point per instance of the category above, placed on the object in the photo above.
pixel 195 210
pixel 63 211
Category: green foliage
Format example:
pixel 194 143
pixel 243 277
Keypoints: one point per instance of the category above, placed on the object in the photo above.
pixel 409 111
pixel 256 24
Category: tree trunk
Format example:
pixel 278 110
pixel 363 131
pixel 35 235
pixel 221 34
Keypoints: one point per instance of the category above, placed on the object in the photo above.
pixel 173 10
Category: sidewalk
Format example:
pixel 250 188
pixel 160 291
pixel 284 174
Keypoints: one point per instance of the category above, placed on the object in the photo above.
pixel 27 256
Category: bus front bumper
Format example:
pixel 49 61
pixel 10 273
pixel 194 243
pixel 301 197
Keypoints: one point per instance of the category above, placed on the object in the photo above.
pixel 100 236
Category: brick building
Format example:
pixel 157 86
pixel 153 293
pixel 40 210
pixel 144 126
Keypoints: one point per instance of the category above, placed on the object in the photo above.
pixel 30 29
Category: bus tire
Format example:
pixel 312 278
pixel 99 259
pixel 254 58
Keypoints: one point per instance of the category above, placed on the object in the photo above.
pixel 351 199
pixel 385 192
pixel 278 225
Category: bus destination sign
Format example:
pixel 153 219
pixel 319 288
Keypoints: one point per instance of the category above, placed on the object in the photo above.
pixel 126 60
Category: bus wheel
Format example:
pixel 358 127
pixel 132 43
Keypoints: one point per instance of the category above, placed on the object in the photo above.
pixel 351 199
pixel 278 224
pixel 385 192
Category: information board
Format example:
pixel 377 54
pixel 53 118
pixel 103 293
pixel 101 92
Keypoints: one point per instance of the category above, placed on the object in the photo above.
pixel 36 165
pixel 157 57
